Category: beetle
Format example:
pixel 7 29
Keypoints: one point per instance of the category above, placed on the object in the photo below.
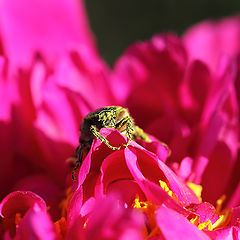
pixel 107 117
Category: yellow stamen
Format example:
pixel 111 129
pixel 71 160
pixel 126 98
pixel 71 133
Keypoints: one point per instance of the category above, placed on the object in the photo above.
pixel 149 209
pixel 195 221
pixel 222 221
pixel 138 204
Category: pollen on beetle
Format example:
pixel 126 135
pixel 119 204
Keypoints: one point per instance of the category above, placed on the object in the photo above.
pixel 107 117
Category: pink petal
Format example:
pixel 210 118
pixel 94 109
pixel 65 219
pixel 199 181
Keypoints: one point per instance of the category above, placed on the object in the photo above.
pixel 117 178
pixel 235 197
pixel 109 220
pixel 36 224
pixel 235 217
pixel 157 147
pixel 50 27
pixel 209 40
pixel 153 191
pixel 74 207
pixel 148 75
pixel 205 211
pixel 185 168
pixel 229 233
pixel 194 91
pixel 76 231
pixel 174 226
pixel 20 202
pixel 183 193
pixel 44 187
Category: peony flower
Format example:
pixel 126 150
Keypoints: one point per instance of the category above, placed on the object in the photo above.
pixel 185 104
pixel 177 89
pixel 125 194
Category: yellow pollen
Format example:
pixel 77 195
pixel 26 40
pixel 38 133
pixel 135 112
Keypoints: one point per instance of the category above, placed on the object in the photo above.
pixel 138 204
pixel 197 189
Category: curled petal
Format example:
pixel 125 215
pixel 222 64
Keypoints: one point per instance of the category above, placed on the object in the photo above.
pixel 36 224
pixel 20 202
pixel 174 226
pixel 205 211
pixel 183 193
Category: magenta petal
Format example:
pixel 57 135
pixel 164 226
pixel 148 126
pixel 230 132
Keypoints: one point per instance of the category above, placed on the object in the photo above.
pixel 185 168
pixel 153 191
pixel 205 211
pixel 157 147
pixel 235 197
pixel 20 202
pixel 184 194
pixel 235 218
pixel 174 226
pixel 50 27
pixel 36 224
pixel 148 75
pixel 229 233
pixel 44 187
pixel 76 231
pixel 74 207
pixel 209 40
pixel 117 178
pixel 109 220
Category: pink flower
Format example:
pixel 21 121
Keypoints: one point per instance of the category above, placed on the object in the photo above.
pixel 179 90
pixel 185 104
pixel 144 182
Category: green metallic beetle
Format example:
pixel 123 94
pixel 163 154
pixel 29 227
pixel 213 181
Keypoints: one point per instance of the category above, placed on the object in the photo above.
pixel 107 117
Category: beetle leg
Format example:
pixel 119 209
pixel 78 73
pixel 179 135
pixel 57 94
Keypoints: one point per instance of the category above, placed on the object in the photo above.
pixel 102 138
pixel 140 134
pixel 79 150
